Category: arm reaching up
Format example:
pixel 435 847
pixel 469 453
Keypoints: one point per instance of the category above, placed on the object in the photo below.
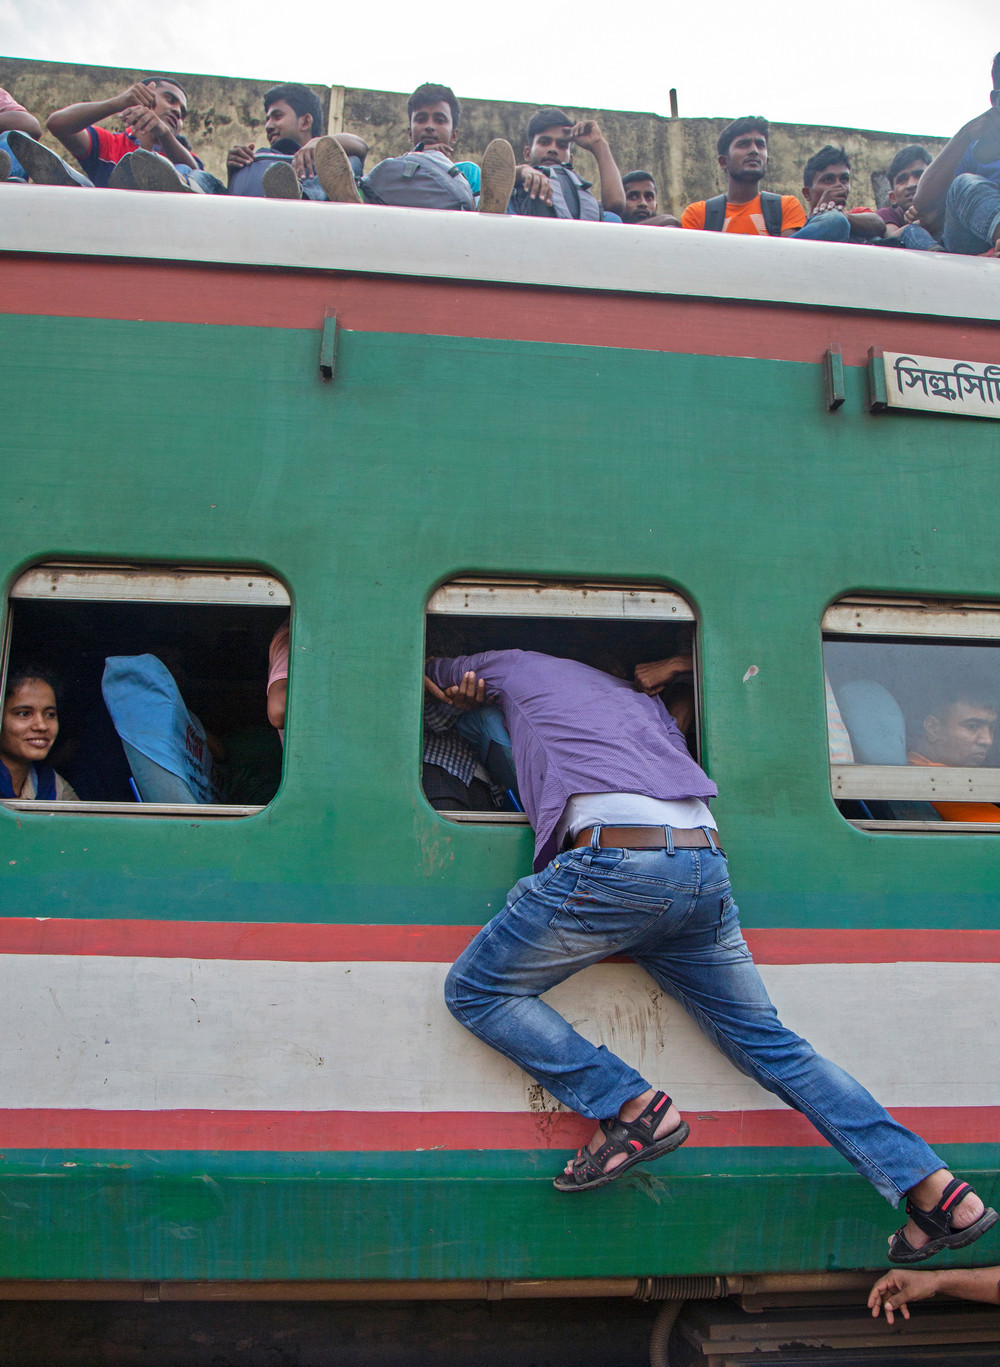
pixel 70 125
pixel 588 135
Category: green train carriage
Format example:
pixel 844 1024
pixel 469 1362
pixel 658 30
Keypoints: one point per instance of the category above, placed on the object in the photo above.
pixel 228 1059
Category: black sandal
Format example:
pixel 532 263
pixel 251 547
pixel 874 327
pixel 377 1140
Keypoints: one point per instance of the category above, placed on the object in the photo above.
pixel 633 1138
pixel 938 1224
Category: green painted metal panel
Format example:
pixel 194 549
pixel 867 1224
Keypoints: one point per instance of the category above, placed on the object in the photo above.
pixel 437 1215
pixel 426 457
pixel 431 456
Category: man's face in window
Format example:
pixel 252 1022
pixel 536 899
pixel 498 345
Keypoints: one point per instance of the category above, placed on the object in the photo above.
pixel 961 734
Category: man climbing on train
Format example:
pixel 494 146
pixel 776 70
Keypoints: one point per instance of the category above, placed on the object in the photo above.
pixel 628 861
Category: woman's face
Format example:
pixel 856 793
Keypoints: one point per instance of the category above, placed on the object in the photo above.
pixel 30 723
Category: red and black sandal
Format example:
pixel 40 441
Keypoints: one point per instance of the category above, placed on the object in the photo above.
pixel 938 1224
pixel 633 1138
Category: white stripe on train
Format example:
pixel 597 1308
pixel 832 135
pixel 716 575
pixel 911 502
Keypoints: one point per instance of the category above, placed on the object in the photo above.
pixel 149 1034
pixel 507 250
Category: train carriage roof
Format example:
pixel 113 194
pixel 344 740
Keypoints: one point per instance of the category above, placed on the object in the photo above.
pixel 496 249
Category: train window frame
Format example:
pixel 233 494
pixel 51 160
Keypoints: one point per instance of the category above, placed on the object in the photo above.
pixel 110 582
pixel 912 621
pixel 565 599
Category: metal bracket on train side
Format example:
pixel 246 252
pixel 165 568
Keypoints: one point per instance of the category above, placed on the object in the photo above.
pixel 878 399
pixel 833 377
pixel 328 346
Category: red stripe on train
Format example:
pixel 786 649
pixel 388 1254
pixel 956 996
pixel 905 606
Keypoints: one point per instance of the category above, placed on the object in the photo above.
pixel 382 1132
pixel 311 943
pixel 169 292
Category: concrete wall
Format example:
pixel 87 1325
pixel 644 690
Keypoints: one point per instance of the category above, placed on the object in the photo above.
pixel 679 152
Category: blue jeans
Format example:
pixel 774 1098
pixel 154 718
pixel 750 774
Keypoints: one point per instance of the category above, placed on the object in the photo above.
pixel 917 238
pixel 830 226
pixel 17 171
pixel 972 215
pixel 193 174
pixel 672 911
pixel 911 235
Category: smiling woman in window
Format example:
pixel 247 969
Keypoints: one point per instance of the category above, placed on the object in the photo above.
pixel 27 734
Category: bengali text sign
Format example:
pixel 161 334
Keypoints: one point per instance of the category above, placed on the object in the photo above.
pixel 967 388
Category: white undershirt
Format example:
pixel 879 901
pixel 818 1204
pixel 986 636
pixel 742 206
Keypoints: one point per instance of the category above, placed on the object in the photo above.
pixel 631 809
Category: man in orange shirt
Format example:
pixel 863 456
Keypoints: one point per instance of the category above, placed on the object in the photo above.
pixel 744 208
pixel 959 732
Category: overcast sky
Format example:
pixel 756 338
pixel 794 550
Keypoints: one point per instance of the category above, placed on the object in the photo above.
pixel 915 67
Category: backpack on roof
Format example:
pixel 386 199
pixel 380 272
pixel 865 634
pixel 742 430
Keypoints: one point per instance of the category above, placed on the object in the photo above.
pixel 571 198
pixel 418 180
pixel 770 208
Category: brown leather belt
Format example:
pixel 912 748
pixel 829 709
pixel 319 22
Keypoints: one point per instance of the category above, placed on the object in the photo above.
pixel 643 838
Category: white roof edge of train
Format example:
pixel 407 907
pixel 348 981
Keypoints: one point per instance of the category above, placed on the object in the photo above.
pixel 496 249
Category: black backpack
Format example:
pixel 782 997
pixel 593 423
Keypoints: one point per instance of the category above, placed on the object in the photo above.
pixel 571 198
pixel 770 207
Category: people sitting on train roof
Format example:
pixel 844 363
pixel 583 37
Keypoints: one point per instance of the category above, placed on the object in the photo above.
pixel 640 202
pixel 27 733
pixel 958 196
pixel 903 226
pixel 286 168
pixel 150 153
pixel 427 176
pixel 898 1290
pixel 826 184
pixel 743 207
pixel 14 118
pixel 546 184
pixel 959 730
pixel 628 860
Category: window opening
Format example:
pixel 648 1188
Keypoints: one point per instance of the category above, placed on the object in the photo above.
pixel 611 627
pixel 163 682
pixel 913 692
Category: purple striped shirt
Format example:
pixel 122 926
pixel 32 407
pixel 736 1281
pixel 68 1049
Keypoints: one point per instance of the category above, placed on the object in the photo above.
pixel 577 730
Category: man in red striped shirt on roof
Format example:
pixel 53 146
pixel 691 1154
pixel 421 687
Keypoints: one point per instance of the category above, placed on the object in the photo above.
pixel 152 111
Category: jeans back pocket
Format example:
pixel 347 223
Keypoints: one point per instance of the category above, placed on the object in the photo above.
pixel 615 909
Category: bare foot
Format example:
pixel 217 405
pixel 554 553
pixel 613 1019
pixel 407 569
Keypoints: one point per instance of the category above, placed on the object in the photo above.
pixel 926 1194
pixel 669 1121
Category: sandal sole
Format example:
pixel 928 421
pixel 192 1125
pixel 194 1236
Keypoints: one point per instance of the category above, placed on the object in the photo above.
pixel 665 1145
pixel 960 1239
pixel 498 171
pixel 335 173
